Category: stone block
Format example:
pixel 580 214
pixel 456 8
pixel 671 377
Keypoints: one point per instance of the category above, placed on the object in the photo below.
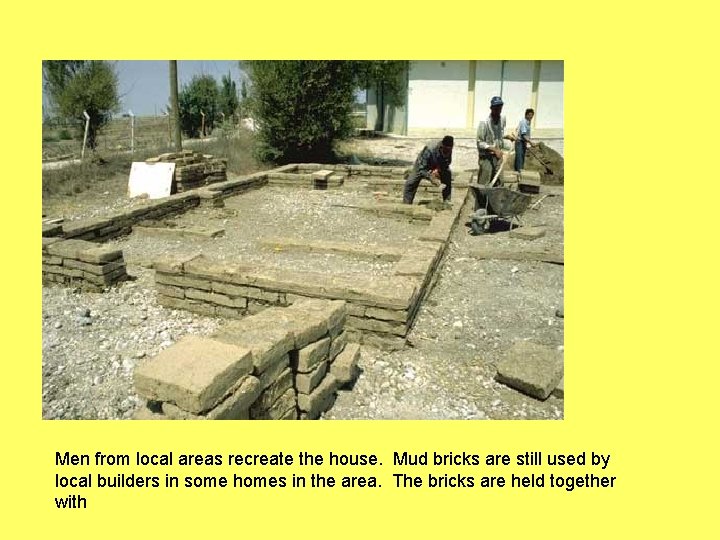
pixel 278 410
pixel 268 343
pixel 559 391
pixel 307 382
pixel 49 230
pixel 172 264
pixel 333 311
pixel 195 373
pixel 216 298
pixel 229 313
pixel 345 366
pixel 230 289
pixel 531 368
pixel 69 249
pixel 322 174
pixel 388 327
pixel 386 314
pixel 311 355
pixel 183 281
pixel 337 344
pixel 100 255
pixel 275 371
pixel 82 226
pixel 97 269
pixel 320 399
pixel 46 242
pixel 275 390
pixel 49 259
pixel 527 233
pixel 169 290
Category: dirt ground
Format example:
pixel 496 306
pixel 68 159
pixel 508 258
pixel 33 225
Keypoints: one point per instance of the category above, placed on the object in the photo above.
pixel 476 311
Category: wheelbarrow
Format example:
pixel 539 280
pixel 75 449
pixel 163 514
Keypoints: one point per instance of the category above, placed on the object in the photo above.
pixel 492 203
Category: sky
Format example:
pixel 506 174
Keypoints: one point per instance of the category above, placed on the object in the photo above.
pixel 144 85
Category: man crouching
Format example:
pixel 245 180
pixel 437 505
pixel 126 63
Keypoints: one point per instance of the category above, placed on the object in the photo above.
pixel 432 163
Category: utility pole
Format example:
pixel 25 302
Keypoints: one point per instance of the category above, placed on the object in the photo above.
pixel 175 112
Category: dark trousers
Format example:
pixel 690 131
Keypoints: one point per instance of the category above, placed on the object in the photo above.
pixel 487 167
pixel 519 155
pixel 413 181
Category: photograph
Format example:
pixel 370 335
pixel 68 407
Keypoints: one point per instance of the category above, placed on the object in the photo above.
pixel 303 239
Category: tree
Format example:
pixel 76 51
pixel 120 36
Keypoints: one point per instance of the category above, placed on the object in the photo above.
pixel 303 107
pixel 201 95
pixel 228 101
pixel 300 107
pixel 75 86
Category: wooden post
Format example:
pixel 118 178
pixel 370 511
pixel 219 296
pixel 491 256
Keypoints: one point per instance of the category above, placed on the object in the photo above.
pixel 175 112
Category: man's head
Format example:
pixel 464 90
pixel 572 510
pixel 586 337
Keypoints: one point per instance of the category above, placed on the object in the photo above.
pixel 446 145
pixel 496 105
pixel 529 113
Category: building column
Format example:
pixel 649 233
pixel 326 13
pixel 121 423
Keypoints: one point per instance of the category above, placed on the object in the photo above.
pixel 470 116
pixel 535 86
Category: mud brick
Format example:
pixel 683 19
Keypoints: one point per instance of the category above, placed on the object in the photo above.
pixel 49 259
pixel 69 249
pixel 216 298
pixel 321 398
pixel 531 368
pixel 46 242
pixel 229 313
pixel 357 310
pixel 344 368
pixel 274 391
pixel 285 402
pixel 337 345
pixel 172 265
pixel 51 230
pixel 83 226
pixel 273 371
pixel 106 279
pixel 237 405
pixel 377 325
pixel 269 344
pixel 307 382
pixel 308 357
pixel 102 254
pixel 182 281
pixel 169 290
pixel 386 314
pixel 194 374
pixel 96 269
pixel 61 270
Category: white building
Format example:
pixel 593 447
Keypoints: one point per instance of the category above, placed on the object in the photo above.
pixel 452 96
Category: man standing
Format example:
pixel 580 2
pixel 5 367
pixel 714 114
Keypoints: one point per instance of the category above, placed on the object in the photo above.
pixel 523 139
pixel 432 163
pixel 490 135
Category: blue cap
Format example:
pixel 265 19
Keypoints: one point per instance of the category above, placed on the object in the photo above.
pixel 495 101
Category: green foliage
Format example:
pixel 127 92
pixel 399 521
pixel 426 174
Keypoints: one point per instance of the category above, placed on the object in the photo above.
pixel 301 107
pixel 228 100
pixel 201 95
pixel 387 75
pixel 75 86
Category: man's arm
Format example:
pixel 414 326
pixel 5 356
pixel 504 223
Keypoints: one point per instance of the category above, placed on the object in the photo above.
pixel 481 136
pixel 424 165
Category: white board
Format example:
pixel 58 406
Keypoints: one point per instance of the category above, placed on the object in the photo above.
pixel 153 179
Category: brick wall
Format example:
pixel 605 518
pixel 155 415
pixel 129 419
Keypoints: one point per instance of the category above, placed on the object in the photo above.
pixel 281 364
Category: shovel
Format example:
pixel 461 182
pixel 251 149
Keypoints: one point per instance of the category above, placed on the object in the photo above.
pixel 548 170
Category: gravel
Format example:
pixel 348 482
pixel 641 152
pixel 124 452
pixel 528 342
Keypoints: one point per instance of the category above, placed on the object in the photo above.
pixel 476 311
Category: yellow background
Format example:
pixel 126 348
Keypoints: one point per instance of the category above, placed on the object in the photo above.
pixel 641 293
